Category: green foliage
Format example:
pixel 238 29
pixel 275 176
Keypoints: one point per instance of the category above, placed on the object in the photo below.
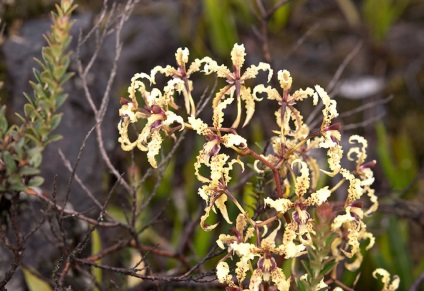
pixel 398 162
pixel 223 33
pixel 381 14
pixel 21 146
pixel 319 263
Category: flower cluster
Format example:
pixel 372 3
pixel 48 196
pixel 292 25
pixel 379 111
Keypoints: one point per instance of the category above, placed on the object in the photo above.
pixel 294 163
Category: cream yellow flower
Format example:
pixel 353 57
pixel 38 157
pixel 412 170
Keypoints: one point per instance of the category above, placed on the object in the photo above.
pixel 214 192
pixel 181 75
pixel 352 223
pixel 156 114
pixel 363 169
pixel 286 102
pixel 236 80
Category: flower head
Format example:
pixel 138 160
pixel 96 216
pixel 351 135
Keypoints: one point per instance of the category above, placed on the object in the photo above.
pixel 158 118
pixel 236 80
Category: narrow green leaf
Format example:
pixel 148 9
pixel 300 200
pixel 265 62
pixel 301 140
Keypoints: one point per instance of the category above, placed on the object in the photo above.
pixel 20 117
pixel 33 282
pixel 53 138
pixel 306 265
pixel 60 99
pixel 55 121
pixel 327 268
pixel 221 27
pixel 302 286
pixel 96 247
pixel 3 120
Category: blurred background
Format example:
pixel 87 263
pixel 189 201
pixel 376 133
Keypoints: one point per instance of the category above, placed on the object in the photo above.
pixel 369 53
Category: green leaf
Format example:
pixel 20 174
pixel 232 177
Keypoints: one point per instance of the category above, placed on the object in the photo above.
pixel 38 90
pixel 29 171
pixel 29 110
pixel 59 71
pixel 56 52
pixel 327 268
pixel 329 240
pixel 48 55
pixel 302 286
pixel 36 74
pixel 3 121
pixel 220 25
pixel 20 117
pixel 35 160
pixel 96 247
pixel 47 78
pixel 55 121
pixel 10 162
pixel 44 131
pixel 36 181
pixel 16 186
pixel 53 138
pixel 312 255
pixel 33 282
pixel 60 99
pixel 305 264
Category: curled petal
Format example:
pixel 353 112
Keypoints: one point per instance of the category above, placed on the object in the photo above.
pixel 269 241
pixel 360 152
pixel 335 154
pixel 171 117
pixel 290 249
pixel 243 250
pixel 394 285
pixel 353 266
pixel 230 140
pixel 225 239
pixel 242 268
pixel 154 147
pixel 278 277
pixel 318 197
pixel 218 113
pixel 355 190
pixel 240 223
pixel 199 126
pixel 202 158
pixel 217 165
pixel 281 205
pixel 220 203
pixel 203 220
pixel 302 181
pixel 255 280
pixel 301 94
pixel 223 273
pixel 247 97
pixel 253 70
pixel 260 89
pixel 330 110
